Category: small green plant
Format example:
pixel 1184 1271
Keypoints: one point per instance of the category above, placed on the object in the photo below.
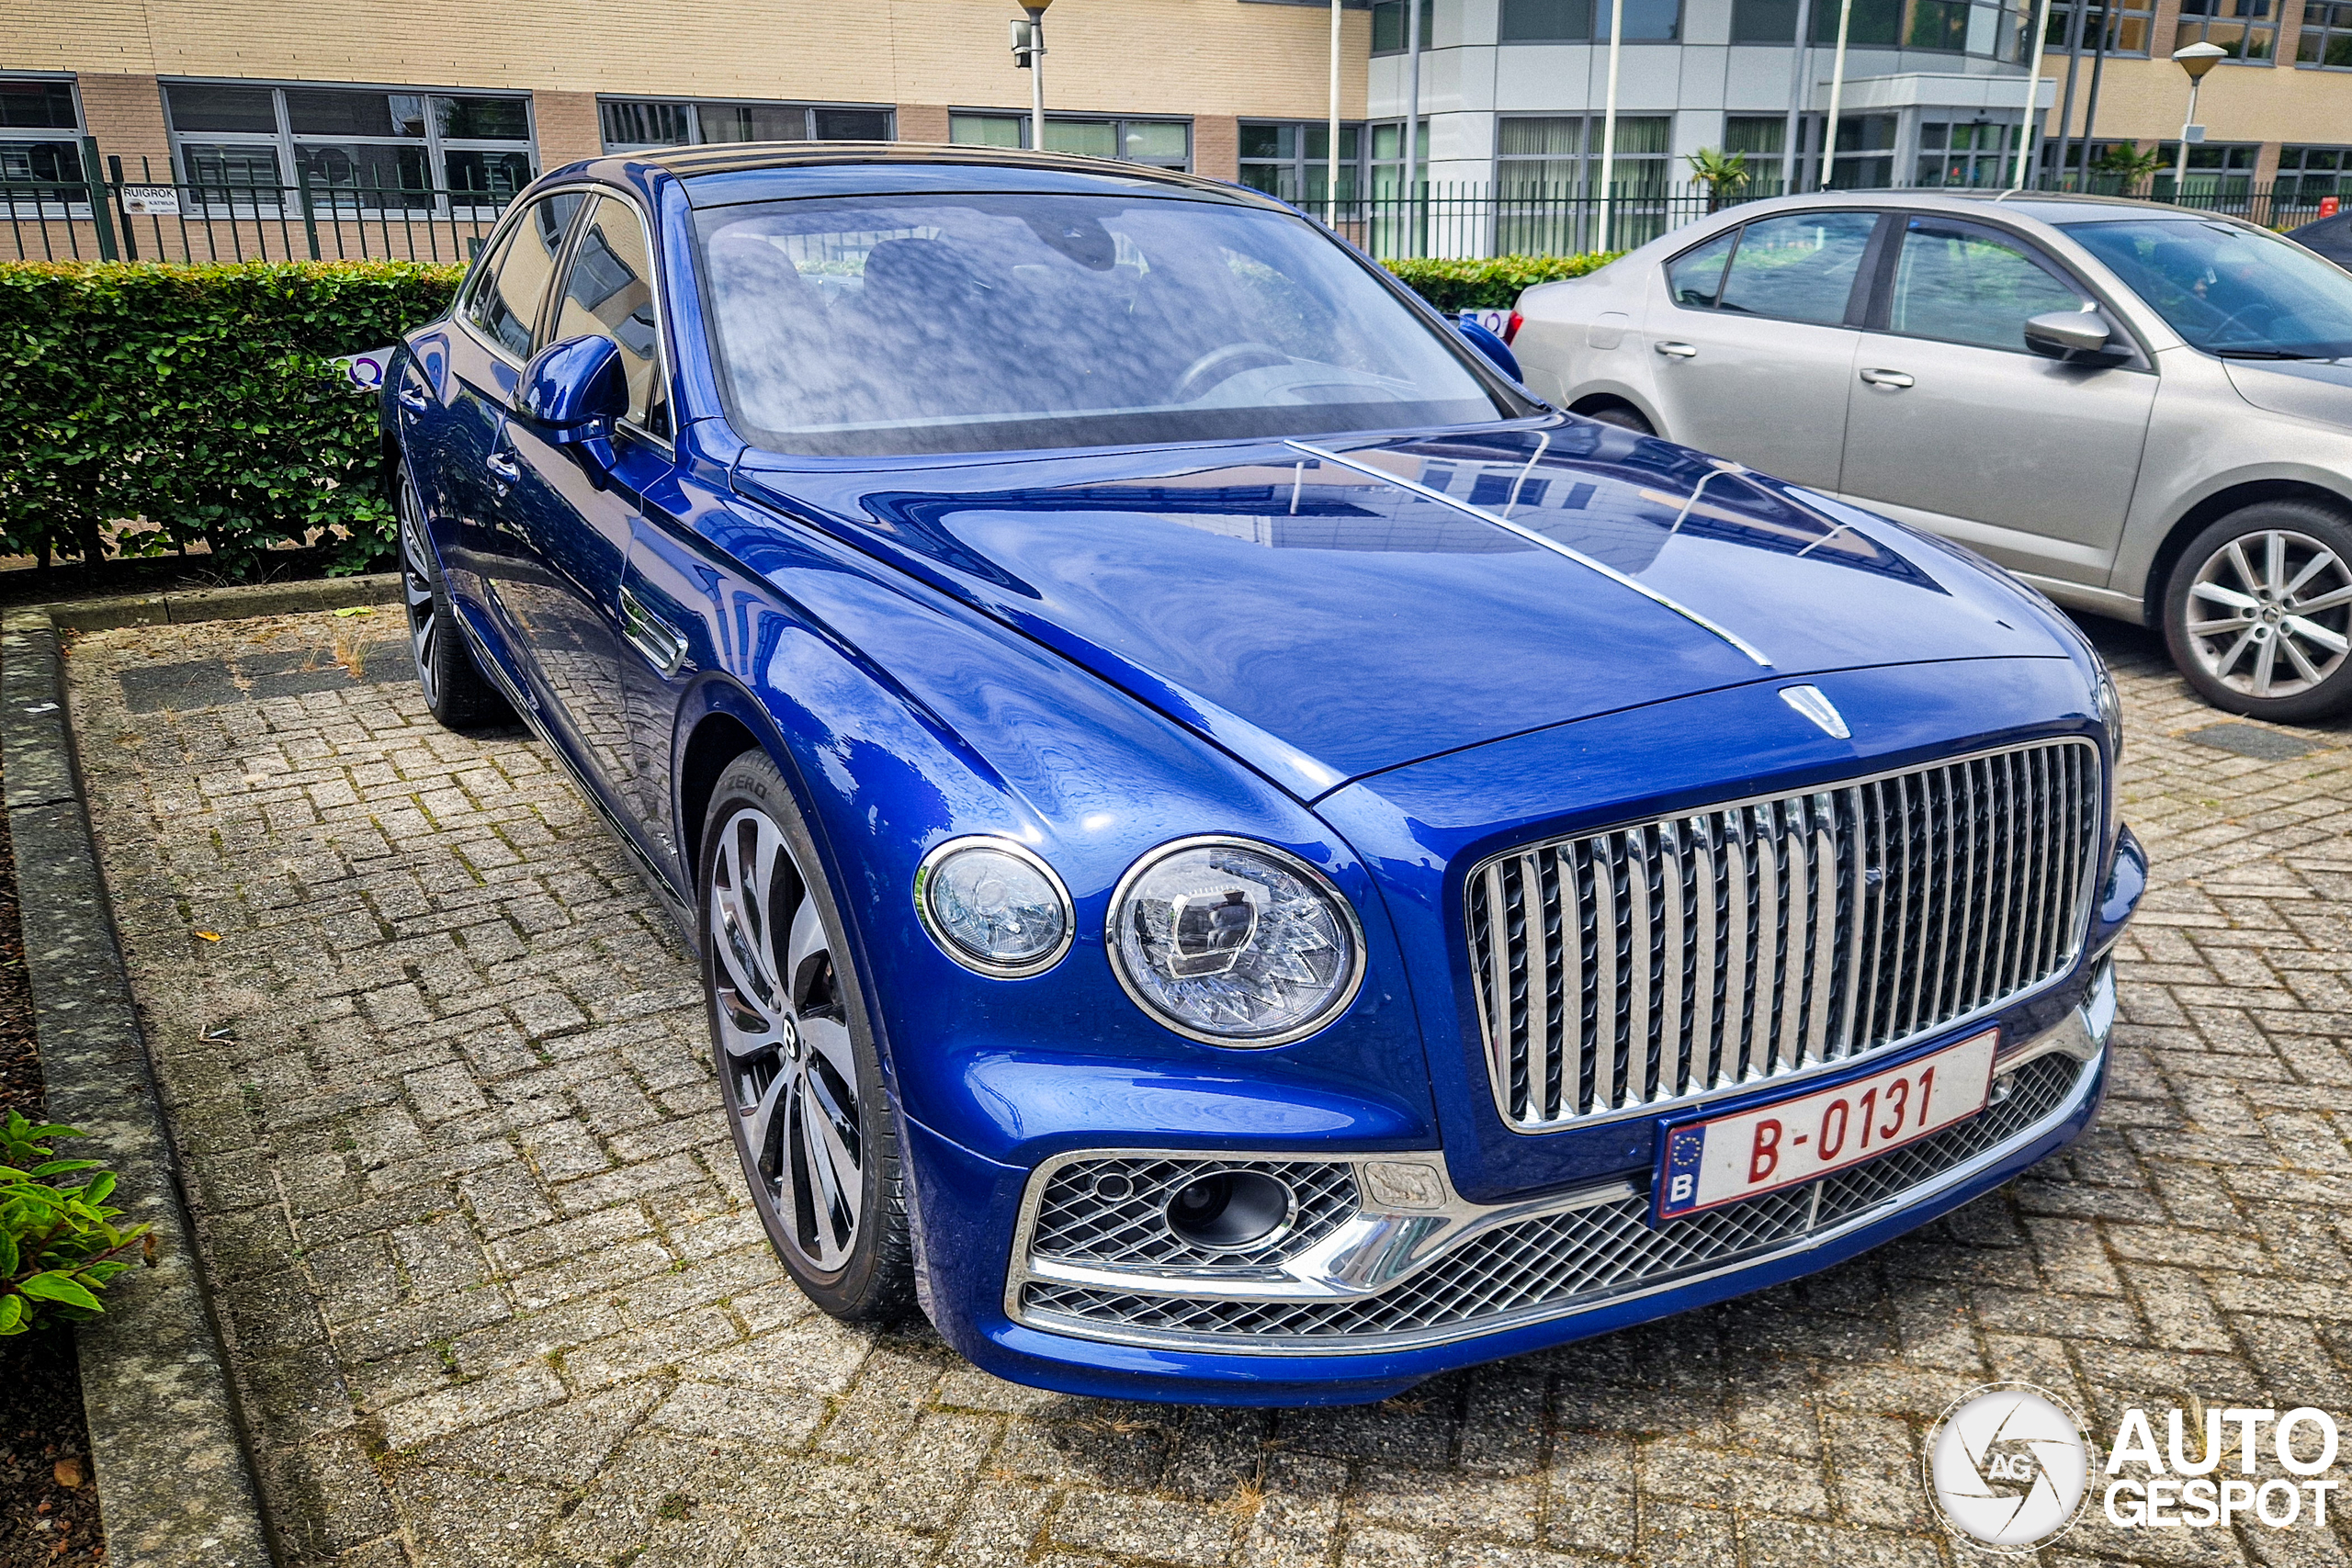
pixel 1724 174
pixel 2127 166
pixel 1488 282
pixel 58 1244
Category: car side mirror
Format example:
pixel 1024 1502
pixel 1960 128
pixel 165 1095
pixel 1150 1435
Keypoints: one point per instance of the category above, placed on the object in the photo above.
pixel 1493 347
pixel 2072 337
pixel 573 391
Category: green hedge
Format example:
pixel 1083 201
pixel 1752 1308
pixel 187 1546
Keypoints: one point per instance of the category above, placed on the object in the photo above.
pixel 1492 283
pixel 199 402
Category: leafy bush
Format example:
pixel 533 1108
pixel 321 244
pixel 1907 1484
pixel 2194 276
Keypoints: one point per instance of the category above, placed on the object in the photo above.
pixel 1492 283
pixel 199 402
pixel 58 1244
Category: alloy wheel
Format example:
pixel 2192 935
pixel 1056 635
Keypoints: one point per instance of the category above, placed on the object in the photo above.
pixel 416 590
pixel 2270 614
pixel 788 1063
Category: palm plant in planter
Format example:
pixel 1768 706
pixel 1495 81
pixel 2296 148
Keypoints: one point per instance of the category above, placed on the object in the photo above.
pixel 1724 174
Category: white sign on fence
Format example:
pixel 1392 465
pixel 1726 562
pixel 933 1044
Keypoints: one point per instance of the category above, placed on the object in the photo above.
pixel 366 369
pixel 1493 321
pixel 152 201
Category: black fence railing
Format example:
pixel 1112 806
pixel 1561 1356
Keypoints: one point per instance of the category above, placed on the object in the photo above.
pixel 110 215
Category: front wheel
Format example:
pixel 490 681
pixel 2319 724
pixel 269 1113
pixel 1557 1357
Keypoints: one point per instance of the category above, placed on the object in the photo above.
pixel 2259 613
pixel 1624 416
pixel 795 1053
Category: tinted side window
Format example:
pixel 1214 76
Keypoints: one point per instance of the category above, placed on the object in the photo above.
pixel 1696 278
pixel 507 301
pixel 1799 268
pixel 1964 284
pixel 609 293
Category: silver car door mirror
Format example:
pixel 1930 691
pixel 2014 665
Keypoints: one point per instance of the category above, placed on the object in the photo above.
pixel 2074 337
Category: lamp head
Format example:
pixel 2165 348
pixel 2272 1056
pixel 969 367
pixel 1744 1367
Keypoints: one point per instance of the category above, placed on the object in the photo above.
pixel 2199 58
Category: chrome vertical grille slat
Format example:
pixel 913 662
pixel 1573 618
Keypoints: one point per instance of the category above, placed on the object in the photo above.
pixel 1669 959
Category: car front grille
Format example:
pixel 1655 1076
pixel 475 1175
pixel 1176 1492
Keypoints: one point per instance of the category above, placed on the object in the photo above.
pixel 1649 963
pixel 1555 1262
pixel 1113 1209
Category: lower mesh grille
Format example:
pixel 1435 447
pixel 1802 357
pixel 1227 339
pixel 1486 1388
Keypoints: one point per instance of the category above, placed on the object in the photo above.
pixel 1587 1253
pixel 1113 1210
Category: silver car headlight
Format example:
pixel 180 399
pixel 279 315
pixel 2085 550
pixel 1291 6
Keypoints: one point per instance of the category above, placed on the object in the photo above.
pixel 994 907
pixel 1234 943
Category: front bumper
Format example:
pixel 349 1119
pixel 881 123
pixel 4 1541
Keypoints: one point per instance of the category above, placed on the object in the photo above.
pixel 1386 1277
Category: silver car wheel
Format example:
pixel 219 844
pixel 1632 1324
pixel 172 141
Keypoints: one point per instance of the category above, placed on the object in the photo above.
pixel 2270 614
pixel 789 1068
pixel 416 590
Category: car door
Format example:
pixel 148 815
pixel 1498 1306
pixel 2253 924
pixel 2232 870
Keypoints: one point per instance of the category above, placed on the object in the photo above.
pixel 1954 425
pixel 577 507
pixel 498 325
pixel 1754 354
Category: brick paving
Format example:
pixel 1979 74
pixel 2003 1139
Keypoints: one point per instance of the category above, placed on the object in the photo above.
pixel 495 1297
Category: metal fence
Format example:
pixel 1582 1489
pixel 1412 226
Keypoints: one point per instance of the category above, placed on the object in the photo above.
pixel 112 215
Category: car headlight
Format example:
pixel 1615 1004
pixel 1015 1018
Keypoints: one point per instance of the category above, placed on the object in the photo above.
pixel 994 906
pixel 2111 710
pixel 1234 943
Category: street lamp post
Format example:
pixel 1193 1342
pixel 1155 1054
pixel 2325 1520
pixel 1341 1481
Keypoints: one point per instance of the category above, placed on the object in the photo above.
pixel 2196 60
pixel 1029 54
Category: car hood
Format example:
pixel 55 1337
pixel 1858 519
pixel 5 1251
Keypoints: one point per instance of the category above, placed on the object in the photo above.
pixel 1330 609
pixel 2301 388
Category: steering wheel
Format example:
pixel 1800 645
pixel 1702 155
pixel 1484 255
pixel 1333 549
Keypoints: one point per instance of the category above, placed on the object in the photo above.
pixel 1221 364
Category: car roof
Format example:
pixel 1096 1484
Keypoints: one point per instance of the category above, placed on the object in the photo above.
pixel 736 171
pixel 2045 206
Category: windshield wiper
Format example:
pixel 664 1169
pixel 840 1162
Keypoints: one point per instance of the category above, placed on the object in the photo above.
pixel 2268 354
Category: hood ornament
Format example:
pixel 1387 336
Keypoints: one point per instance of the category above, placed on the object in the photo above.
pixel 1808 701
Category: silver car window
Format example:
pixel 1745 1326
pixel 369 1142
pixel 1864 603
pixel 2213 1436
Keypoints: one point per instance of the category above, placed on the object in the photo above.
pixel 2232 291
pixel 1961 283
pixel 1695 278
pixel 1799 268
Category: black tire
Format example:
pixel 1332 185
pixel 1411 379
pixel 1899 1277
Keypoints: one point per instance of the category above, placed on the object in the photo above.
pixel 2253 605
pixel 791 1038
pixel 1624 416
pixel 455 690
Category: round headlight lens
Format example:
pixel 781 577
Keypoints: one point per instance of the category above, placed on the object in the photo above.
pixel 1234 943
pixel 2110 708
pixel 993 907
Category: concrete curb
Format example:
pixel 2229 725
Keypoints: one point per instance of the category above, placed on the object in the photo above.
pixel 174 1474
pixel 221 603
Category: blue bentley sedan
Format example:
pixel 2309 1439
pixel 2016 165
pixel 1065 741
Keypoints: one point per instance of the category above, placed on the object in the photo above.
pixel 1236 855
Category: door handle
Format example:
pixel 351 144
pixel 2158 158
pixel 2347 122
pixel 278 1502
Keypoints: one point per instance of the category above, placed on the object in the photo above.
pixel 1894 380
pixel 505 467
pixel 1676 350
pixel 410 400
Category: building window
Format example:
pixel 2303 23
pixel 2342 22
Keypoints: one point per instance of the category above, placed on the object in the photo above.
pixel 1547 21
pixel 1162 144
pixel 1974 155
pixel 2247 29
pixel 2218 172
pixel 1864 156
pixel 2307 174
pixel 633 125
pixel 1874 23
pixel 1388 26
pixel 1763 138
pixel 1764 21
pixel 2325 41
pixel 2129 26
pixel 1292 162
pixel 1547 176
pixel 355 147
pixel 38 127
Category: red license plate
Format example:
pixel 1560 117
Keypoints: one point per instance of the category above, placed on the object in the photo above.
pixel 1703 1165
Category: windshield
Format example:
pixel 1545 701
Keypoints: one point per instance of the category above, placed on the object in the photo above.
pixel 905 324
pixel 2240 293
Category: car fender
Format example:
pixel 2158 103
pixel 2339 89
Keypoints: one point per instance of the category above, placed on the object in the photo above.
pixel 2150 542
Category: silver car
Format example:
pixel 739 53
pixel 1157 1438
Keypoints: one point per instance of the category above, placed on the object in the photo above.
pixel 2143 411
